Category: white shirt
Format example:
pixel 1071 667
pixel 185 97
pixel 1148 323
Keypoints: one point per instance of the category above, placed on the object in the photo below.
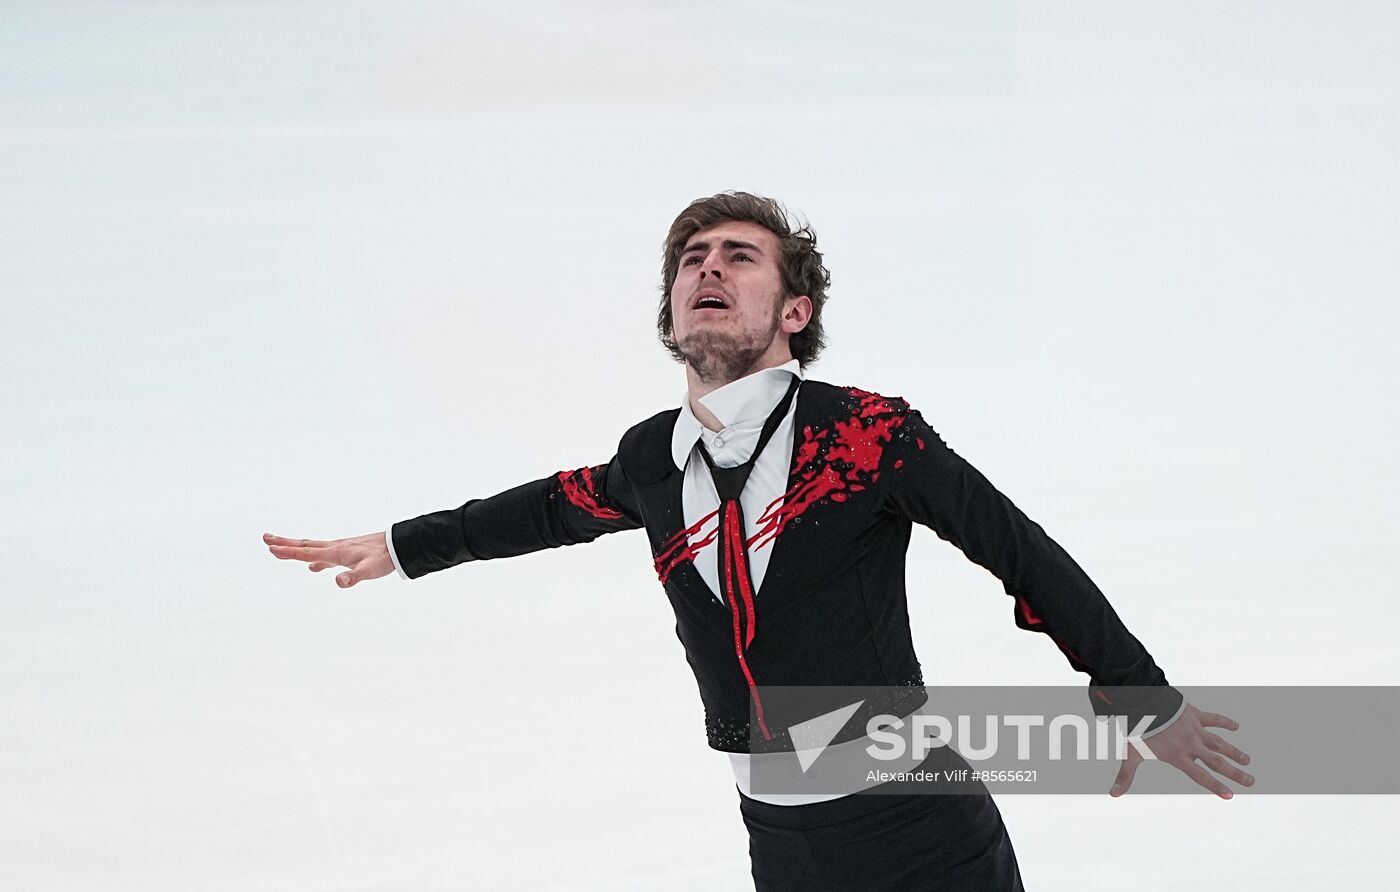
pixel 742 406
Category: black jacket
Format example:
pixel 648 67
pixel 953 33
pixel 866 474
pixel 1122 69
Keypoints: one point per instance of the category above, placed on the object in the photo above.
pixel 832 607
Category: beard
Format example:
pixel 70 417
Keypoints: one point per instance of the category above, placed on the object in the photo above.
pixel 724 356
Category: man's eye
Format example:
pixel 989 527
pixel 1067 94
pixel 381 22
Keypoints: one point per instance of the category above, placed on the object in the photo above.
pixel 742 256
pixel 691 260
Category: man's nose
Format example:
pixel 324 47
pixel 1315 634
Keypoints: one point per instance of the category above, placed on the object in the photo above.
pixel 709 266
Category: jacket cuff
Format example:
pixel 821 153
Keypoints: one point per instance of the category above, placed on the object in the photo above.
pixel 1135 702
pixel 389 542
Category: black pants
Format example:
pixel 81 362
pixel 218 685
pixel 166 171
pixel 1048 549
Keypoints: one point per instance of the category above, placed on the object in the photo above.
pixel 884 840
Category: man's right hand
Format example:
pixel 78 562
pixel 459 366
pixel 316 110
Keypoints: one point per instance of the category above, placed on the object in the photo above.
pixel 367 557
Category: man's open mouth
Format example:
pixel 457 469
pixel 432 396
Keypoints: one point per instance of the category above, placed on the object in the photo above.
pixel 709 301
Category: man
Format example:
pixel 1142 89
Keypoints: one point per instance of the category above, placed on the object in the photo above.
pixel 779 511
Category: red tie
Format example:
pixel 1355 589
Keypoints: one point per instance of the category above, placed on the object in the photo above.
pixel 733 551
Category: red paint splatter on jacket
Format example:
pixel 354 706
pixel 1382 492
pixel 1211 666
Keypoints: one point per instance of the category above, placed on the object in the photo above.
pixel 829 464
pixel 834 462
pixel 678 549
pixel 579 489
pixel 823 482
pixel 1033 620
pixel 1030 617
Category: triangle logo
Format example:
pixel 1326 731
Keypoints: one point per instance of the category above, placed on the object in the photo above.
pixel 812 737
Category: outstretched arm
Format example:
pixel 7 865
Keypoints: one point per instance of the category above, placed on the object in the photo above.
pixel 931 484
pixel 562 509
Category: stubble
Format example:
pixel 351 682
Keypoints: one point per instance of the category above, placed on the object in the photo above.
pixel 719 356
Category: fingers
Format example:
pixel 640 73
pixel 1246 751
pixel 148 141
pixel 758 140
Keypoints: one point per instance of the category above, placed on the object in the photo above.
pixel 1191 749
pixel 1126 772
pixel 1221 748
pixel 1220 745
pixel 319 566
pixel 300 543
pixel 327 554
pixel 364 567
pixel 1220 766
pixel 1206 779
pixel 310 553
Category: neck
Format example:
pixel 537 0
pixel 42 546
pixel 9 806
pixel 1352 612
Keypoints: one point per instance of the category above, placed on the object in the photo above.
pixel 696 387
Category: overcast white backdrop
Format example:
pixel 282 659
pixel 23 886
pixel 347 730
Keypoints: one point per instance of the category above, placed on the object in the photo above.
pixel 310 268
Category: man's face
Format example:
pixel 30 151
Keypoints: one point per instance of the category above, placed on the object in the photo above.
pixel 727 299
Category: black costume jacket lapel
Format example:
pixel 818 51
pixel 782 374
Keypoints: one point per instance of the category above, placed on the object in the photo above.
pixel 828 499
pixel 705 551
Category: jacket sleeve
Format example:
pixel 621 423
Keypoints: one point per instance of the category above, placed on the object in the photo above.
pixel 930 484
pixel 562 509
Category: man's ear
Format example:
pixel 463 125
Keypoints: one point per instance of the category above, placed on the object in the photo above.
pixel 797 312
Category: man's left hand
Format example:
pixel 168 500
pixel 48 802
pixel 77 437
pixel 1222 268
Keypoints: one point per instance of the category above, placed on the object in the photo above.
pixel 1185 741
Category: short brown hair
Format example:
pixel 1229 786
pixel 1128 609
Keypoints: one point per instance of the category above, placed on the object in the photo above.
pixel 799 260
